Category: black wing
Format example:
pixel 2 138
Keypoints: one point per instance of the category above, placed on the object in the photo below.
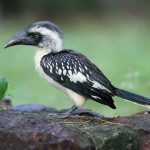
pixel 74 71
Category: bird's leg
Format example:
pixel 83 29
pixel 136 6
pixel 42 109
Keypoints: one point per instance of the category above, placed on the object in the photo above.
pixel 71 110
pixel 64 114
pixel 67 113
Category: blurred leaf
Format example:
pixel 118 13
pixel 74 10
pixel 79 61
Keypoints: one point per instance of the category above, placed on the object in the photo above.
pixel 3 86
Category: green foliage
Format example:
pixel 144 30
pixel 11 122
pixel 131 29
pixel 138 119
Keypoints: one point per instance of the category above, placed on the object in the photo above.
pixel 3 86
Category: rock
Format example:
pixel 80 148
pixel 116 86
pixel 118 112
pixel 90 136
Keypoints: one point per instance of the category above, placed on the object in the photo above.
pixel 108 137
pixel 30 131
pixel 39 131
pixel 140 123
pixel 34 108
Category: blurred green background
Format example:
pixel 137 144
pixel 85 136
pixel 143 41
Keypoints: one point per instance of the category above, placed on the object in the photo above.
pixel 114 34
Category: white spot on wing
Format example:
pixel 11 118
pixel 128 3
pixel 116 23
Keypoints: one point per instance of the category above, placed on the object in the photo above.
pixel 99 86
pixel 64 72
pixel 75 71
pixel 77 77
pixel 86 68
pixel 80 69
pixel 70 72
pixel 59 71
pixel 50 67
pixel 96 97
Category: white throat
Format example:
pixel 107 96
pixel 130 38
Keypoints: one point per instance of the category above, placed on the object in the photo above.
pixel 40 52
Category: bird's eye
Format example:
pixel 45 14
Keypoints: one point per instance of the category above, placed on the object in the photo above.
pixel 35 36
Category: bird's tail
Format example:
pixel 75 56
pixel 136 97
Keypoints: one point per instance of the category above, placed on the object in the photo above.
pixel 135 98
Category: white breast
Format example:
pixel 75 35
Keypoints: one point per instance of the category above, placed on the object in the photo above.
pixel 38 56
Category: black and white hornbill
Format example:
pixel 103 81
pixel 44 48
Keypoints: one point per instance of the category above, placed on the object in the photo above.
pixel 69 70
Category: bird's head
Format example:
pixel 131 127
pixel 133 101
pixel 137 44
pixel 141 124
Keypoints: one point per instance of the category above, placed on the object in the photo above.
pixel 44 35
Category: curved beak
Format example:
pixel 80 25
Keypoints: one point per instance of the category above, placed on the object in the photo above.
pixel 20 38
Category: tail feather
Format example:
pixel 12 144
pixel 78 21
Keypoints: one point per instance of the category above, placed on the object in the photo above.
pixel 135 98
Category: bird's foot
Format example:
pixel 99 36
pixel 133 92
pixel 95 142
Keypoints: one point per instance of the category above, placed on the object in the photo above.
pixel 63 115
pixel 59 115
pixel 52 114
pixel 68 113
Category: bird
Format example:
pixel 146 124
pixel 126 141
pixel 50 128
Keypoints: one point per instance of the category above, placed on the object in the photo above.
pixel 69 70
